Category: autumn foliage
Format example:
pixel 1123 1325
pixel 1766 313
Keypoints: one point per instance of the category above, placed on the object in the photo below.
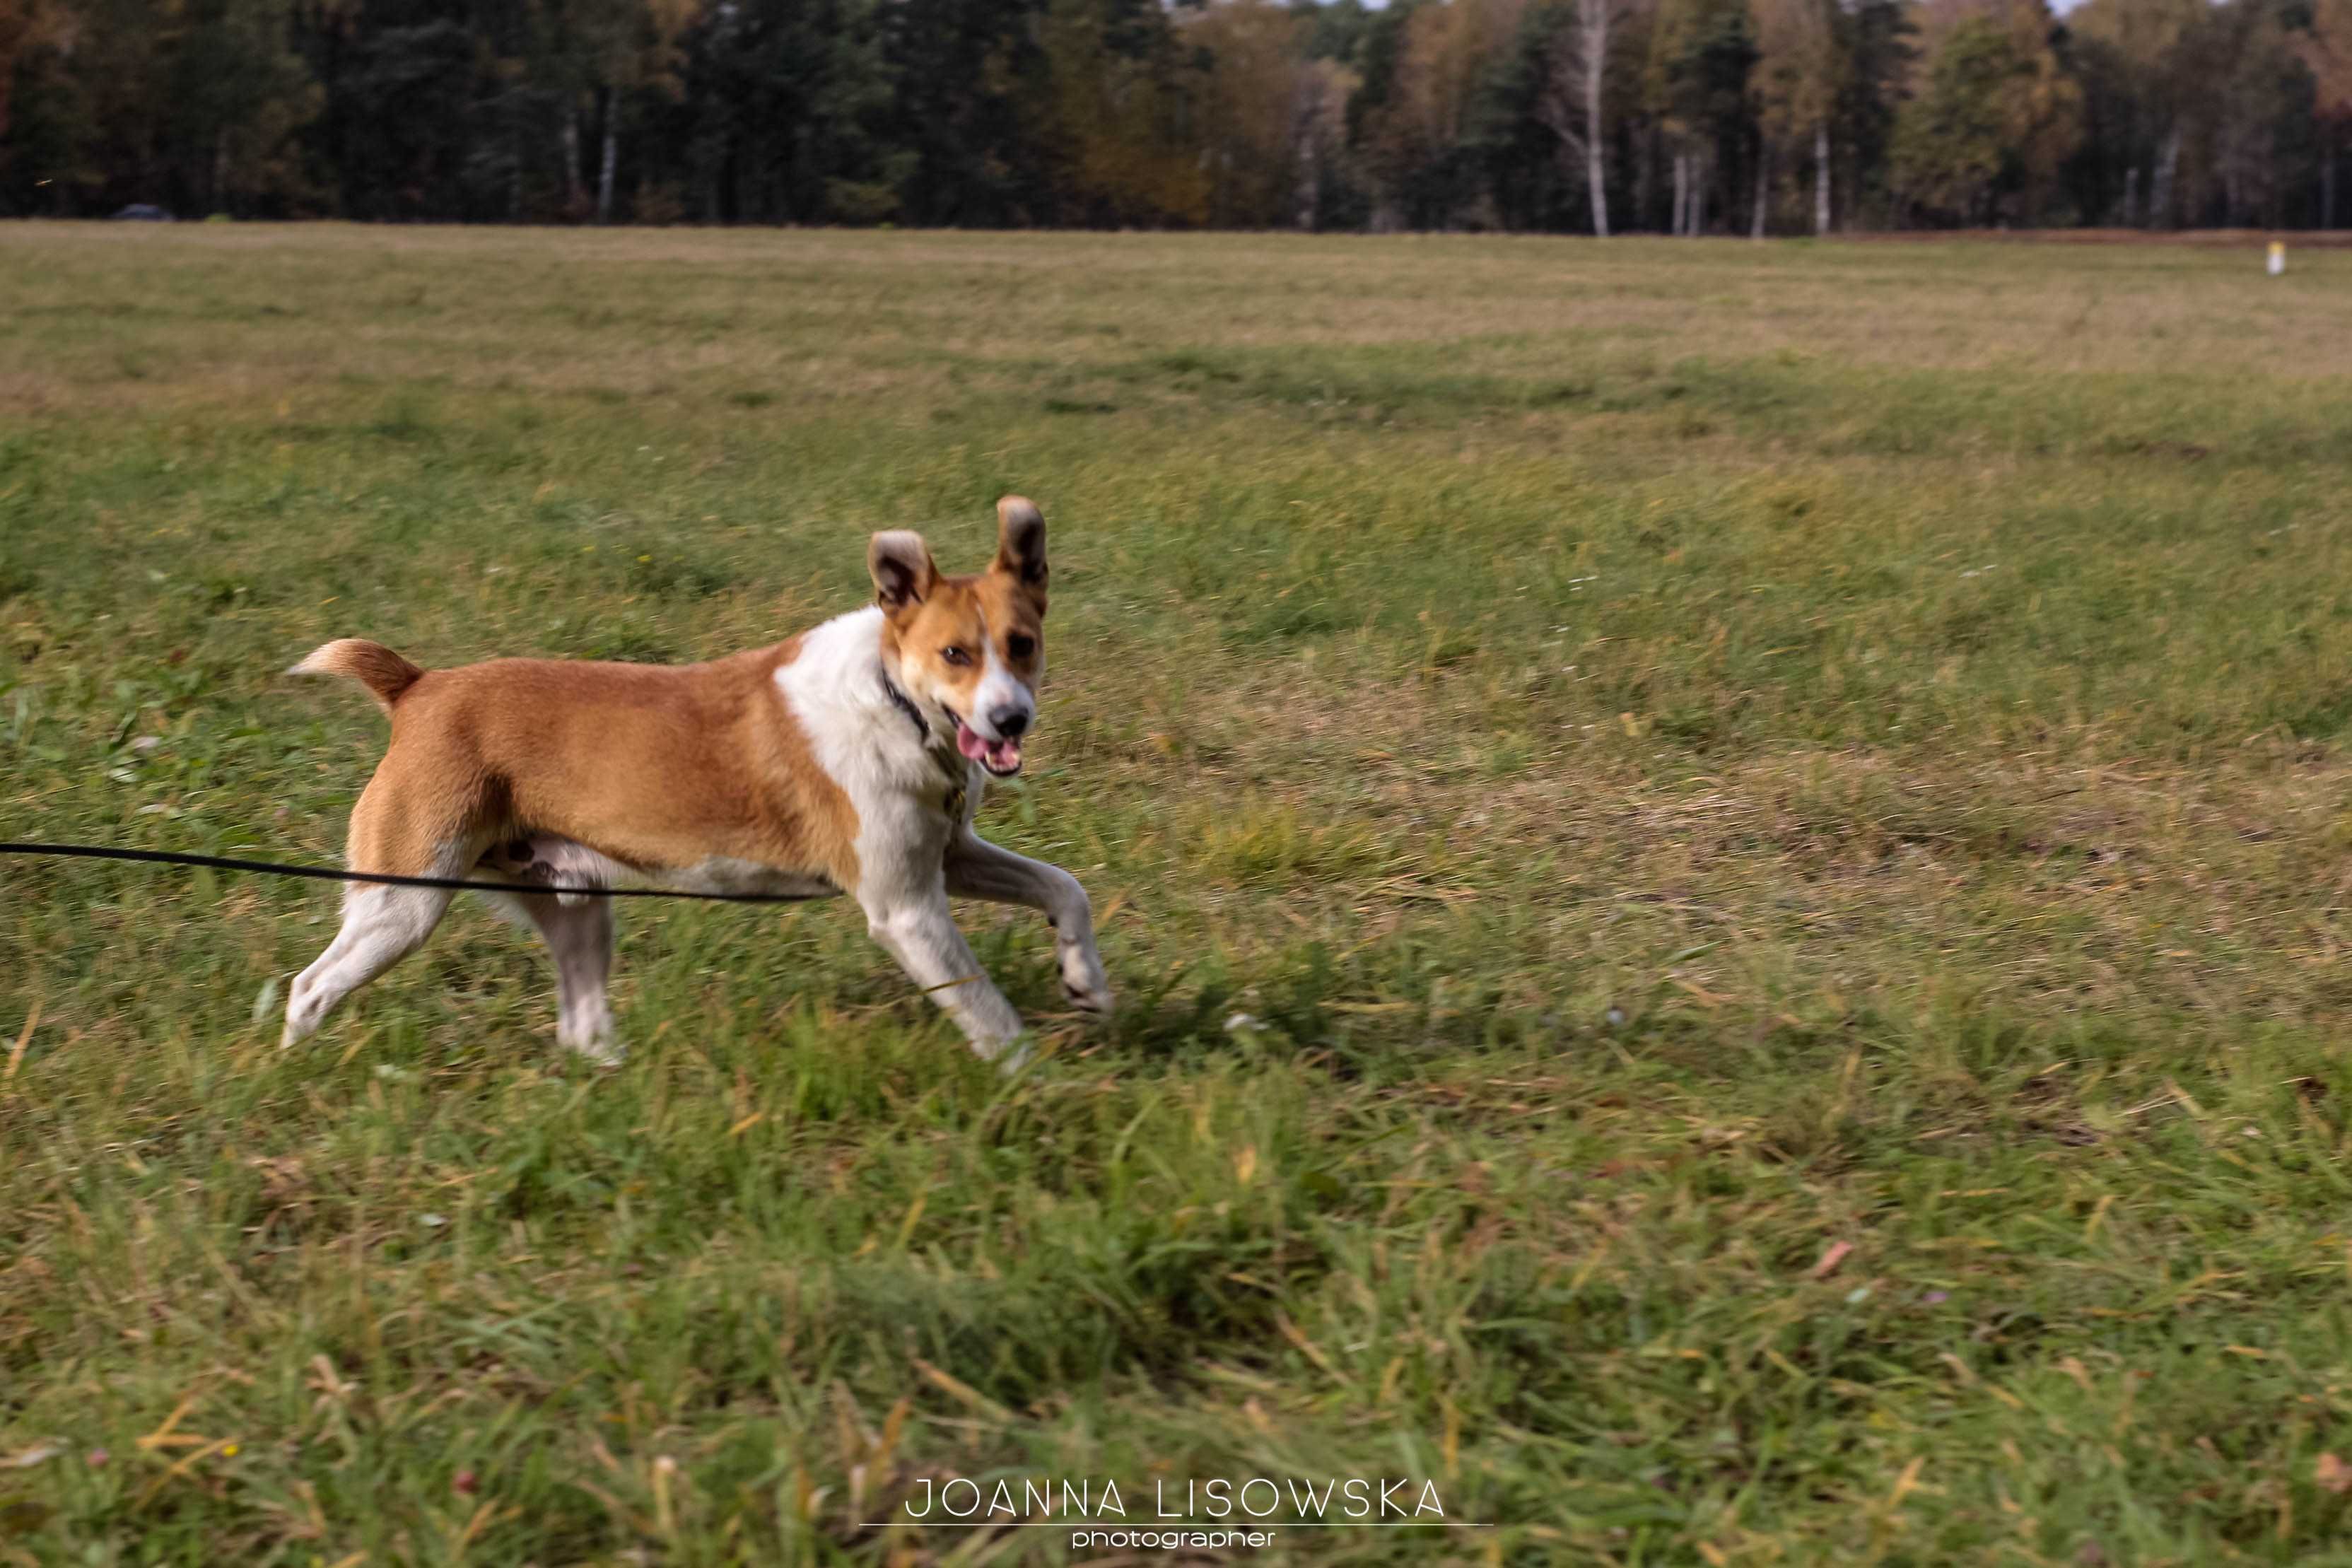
pixel 1684 116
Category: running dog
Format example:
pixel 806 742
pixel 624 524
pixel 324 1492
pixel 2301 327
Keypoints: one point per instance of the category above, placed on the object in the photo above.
pixel 849 759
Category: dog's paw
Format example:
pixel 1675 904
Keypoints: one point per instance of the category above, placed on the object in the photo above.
pixel 1008 1057
pixel 1083 980
pixel 599 1051
pixel 1091 997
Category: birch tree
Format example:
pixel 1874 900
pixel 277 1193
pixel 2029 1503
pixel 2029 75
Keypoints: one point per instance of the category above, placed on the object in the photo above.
pixel 1800 72
pixel 1700 55
pixel 1574 91
pixel 1318 134
pixel 601 53
pixel 2159 46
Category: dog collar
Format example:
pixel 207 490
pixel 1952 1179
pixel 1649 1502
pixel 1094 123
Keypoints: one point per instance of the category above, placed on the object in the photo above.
pixel 953 771
pixel 907 706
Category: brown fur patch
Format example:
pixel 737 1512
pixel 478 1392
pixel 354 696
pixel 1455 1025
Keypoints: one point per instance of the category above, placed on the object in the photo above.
pixel 656 767
pixel 661 767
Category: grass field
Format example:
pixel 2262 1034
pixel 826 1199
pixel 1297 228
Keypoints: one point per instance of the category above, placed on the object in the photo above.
pixel 1726 869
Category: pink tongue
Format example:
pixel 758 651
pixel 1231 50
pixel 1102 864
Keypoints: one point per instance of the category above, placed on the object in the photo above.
pixel 1002 755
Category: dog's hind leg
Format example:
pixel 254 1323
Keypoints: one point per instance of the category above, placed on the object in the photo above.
pixel 404 836
pixel 579 935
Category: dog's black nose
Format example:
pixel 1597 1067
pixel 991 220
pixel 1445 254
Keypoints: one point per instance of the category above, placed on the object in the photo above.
pixel 1010 720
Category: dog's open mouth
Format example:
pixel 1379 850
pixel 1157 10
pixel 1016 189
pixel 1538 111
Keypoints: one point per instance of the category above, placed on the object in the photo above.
pixel 1001 758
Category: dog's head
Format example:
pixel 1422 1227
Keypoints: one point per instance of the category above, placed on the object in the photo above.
pixel 971 649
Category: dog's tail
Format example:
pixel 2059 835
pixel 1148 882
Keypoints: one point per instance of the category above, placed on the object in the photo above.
pixel 383 672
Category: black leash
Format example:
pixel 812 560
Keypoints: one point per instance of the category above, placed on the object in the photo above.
pixel 384 879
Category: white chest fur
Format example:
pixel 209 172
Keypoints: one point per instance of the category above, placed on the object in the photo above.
pixel 909 796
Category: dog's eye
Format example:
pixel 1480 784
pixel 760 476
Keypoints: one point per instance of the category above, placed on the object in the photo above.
pixel 1019 646
pixel 955 656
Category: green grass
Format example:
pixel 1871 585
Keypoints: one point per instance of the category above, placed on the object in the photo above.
pixel 1682 757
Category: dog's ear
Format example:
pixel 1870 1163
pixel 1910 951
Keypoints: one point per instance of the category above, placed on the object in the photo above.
pixel 902 565
pixel 1021 542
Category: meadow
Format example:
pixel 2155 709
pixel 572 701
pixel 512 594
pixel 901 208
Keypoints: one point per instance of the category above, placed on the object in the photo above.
pixel 1725 866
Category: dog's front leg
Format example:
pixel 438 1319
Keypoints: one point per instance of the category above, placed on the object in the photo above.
pixel 919 933
pixel 979 870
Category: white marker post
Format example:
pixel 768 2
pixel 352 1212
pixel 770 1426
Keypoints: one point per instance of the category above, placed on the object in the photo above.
pixel 2278 257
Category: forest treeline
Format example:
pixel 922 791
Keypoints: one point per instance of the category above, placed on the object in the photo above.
pixel 1590 116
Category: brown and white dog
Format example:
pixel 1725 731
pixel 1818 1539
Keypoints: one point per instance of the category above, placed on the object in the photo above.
pixel 849 759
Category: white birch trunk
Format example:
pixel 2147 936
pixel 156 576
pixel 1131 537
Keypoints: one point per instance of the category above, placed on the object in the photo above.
pixel 1595 17
pixel 1820 176
pixel 572 193
pixel 611 156
pixel 1597 176
pixel 1763 191
pixel 2168 164
pixel 1645 172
